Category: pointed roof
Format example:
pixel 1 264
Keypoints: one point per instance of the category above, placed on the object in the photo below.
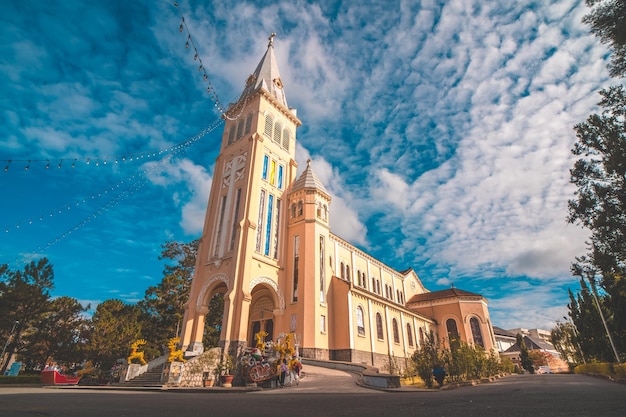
pixel 308 179
pixel 266 75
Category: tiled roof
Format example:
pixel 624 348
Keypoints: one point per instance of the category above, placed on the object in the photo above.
pixel 438 295
pixel 308 179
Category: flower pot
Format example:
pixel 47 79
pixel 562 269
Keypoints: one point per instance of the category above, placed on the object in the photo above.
pixel 227 380
pixel 207 383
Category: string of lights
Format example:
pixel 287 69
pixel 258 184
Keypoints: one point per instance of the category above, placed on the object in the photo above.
pixel 210 89
pixel 105 160
pixel 137 182
pixel 67 207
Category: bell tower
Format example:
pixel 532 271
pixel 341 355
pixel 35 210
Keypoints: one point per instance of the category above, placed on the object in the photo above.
pixel 242 248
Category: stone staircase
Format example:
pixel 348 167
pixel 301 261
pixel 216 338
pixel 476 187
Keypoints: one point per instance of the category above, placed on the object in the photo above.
pixel 151 378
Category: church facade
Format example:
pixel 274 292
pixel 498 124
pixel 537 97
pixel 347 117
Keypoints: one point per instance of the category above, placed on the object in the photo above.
pixel 267 246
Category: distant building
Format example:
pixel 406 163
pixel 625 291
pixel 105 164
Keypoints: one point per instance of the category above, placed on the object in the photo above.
pixel 534 339
pixel 267 246
pixel 504 339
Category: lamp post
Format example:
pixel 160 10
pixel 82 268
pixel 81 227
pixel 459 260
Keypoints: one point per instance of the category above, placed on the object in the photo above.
pixel 7 344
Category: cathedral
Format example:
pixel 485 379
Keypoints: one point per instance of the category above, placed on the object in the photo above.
pixel 267 246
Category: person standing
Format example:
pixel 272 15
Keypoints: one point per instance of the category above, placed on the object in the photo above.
pixel 294 369
pixel 283 372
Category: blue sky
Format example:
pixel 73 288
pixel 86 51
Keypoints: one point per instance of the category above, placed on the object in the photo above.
pixel 442 129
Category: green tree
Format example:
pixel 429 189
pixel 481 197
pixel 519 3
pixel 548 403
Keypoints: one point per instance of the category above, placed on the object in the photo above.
pixel 607 20
pixel 426 358
pixel 524 356
pixel 114 327
pixel 213 321
pixel 24 297
pixel 591 336
pixel 600 204
pixel 57 335
pixel 564 338
pixel 163 305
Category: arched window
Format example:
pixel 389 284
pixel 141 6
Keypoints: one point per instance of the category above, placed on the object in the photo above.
pixel 360 324
pixel 269 123
pixel 248 123
pixel 286 138
pixel 421 337
pixel 409 334
pixel 240 129
pixel 300 208
pixel 278 130
pixel 293 210
pixel 396 332
pixel 343 271
pixel 358 278
pixel 231 135
pixel 373 284
pixel 379 327
pixel 348 272
pixel 477 335
pixel 453 331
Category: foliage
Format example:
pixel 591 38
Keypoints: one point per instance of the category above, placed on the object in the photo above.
pixel 540 358
pixel 607 20
pixel 163 305
pixel 392 366
pixel 24 298
pixel 115 325
pixel 225 366
pixel 20 379
pixel 620 370
pixel 600 204
pixel 58 334
pixel 601 368
pixel 564 338
pixel 462 362
pixel 524 356
pixel 591 336
pixel 426 358
pixel 204 363
pixel 213 321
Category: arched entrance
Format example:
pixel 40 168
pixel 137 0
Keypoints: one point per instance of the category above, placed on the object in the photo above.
pixel 261 314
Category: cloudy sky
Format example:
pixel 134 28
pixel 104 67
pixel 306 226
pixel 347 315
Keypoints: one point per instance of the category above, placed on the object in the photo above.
pixel 442 129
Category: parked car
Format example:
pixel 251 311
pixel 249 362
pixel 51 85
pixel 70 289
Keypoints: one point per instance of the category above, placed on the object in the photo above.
pixel 544 370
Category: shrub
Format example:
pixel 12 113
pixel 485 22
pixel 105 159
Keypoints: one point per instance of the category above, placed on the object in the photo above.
pixel 602 368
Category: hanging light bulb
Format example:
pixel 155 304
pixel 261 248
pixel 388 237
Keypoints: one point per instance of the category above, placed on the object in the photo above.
pixel 27 166
pixel 180 29
pixel 47 164
pixel 195 57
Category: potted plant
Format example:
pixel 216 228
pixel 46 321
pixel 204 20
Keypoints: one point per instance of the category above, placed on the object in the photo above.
pixel 202 364
pixel 225 370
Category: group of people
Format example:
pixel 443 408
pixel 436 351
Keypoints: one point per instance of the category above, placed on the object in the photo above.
pixel 292 368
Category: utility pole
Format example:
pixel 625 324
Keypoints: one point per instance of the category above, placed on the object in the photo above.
pixel 4 363
pixel 592 281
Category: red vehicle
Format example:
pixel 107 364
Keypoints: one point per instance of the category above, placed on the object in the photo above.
pixel 54 377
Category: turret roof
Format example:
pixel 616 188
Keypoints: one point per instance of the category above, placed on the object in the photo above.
pixel 308 179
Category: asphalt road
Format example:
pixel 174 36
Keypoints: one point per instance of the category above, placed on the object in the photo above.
pixel 332 393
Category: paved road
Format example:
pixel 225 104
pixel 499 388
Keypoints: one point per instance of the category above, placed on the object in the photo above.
pixel 333 393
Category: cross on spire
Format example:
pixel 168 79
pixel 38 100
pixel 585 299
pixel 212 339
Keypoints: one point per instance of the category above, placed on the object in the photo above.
pixel 271 39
